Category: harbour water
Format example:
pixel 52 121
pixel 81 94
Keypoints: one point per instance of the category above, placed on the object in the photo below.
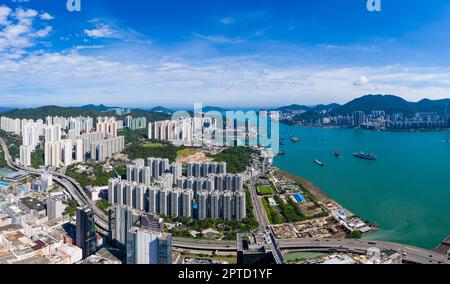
pixel 406 191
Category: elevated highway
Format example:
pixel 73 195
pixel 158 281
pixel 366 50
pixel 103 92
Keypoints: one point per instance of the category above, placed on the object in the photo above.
pixel 409 253
pixel 69 184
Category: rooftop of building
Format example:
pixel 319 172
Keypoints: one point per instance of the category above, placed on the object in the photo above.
pixel 248 242
pixel 33 204
pixel 159 234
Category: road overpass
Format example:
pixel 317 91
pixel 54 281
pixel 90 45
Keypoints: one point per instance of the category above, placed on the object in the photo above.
pixel 69 184
pixel 410 254
pixel 204 245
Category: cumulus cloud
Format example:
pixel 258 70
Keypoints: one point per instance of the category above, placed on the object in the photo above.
pixel 46 16
pixel 101 32
pixel 72 78
pixel 363 80
pixel 17 31
pixel 79 75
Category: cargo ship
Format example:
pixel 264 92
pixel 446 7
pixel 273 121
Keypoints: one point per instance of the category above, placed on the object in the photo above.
pixel 365 156
pixel 317 162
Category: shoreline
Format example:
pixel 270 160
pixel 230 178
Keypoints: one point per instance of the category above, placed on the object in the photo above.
pixel 324 198
pixel 420 130
pixel 314 189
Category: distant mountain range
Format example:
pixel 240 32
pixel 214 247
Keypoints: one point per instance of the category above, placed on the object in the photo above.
pixel 388 103
pixel 87 110
pixel 101 108
pixel 161 109
pixel 391 104
pixel 318 108
pixel 5 109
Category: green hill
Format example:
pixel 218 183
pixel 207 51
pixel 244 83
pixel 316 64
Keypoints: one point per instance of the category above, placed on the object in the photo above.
pixel 388 103
pixel 89 110
pixel 42 112
pixel 293 108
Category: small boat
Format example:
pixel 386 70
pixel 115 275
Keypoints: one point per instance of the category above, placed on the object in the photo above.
pixel 337 154
pixel 295 139
pixel 365 156
pixel 281 153
pixel 282 143
pixel 317 162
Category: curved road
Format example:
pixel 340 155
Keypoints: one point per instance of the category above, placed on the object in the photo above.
pixel 69 184
pixel 410 254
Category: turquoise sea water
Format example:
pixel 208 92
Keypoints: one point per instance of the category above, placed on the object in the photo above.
pixel 406 191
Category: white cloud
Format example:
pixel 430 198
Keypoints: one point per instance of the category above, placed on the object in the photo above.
pixel 219 39
pixel 17 31
pixel 73 78
pixel 101 32
pixel 227 21
pixel 46 16
pixel 363 80
pixel 5 11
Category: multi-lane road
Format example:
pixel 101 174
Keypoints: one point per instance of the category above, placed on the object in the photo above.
pixel 409 253
pixel 258 209
pixel 69 184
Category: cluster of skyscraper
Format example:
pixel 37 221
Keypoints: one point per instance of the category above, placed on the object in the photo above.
pixel 135 123
pixel 97 146
pixel 141 235
pixel 206 191
pixel 205 130
pixel 80 142
pixel 30 131
pixel 381 120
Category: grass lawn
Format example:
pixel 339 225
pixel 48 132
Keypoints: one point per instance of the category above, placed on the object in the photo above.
pixel 229 258
pixel 273 213
pixel 265 190
pixel 186 152
pixel 153 145
pixel 298 256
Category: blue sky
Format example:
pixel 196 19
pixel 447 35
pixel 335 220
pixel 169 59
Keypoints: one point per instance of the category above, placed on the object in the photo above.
pixel 227 53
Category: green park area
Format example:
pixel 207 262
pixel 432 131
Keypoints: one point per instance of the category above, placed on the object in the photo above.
pixel 231 259
pixel 294 257
pixel 237 158
pixel 265 190
pixel 103 205
pixel 184 153
pixel 2 159
pixel 285 211
pixel 133 136
pixel 13 143
pixel 71 207
pixel 37 158
pixel 140 150
pixel 94 175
